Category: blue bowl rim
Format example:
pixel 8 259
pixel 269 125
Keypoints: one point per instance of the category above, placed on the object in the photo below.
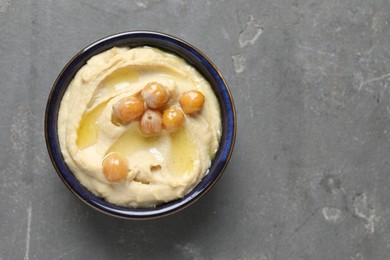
pixel 50 127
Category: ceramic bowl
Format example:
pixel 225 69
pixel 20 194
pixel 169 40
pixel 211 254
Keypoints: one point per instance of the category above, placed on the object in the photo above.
pixel 167 43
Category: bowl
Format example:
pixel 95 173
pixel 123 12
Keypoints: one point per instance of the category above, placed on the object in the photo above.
pixel 169 44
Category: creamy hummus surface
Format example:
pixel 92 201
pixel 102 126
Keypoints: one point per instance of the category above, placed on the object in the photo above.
pixel 160 167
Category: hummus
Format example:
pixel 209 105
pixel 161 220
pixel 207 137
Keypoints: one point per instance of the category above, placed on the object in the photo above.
pixel 161 167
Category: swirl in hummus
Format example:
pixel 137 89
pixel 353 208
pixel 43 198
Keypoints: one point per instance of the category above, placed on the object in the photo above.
pixel 161 167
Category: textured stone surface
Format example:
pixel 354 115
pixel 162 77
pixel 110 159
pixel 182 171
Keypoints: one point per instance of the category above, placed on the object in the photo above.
pixel 309 178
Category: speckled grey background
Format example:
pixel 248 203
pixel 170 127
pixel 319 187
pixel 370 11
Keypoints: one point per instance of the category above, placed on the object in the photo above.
pixel 309 178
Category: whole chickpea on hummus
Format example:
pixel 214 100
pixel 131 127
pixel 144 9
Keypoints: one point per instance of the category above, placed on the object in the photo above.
pixel 139 127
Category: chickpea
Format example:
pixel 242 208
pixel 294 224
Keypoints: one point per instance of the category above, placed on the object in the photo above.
pixel 151 122
pixel 191 101
pixel 173 118
pixel 127 109
pixel 155 95
pixel 115 167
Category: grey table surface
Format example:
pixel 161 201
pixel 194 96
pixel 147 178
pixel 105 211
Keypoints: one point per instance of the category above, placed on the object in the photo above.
pixel 309 177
